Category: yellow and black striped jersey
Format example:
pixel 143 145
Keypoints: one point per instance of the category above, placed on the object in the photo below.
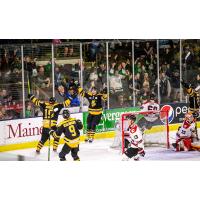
pixel 70 128
pixel 50 111
pixel 194 99
pixel 95 101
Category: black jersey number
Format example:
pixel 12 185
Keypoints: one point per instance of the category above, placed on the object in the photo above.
pixel 183 132
pixel 152 108
pixel 48 113
pixel 135 137
pixel 72 130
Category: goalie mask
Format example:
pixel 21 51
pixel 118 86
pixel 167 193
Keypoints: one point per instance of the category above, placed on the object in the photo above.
pixel 189 118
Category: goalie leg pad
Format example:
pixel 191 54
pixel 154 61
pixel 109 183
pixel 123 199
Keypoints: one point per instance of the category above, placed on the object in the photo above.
pixel 187 144
pixel 131 152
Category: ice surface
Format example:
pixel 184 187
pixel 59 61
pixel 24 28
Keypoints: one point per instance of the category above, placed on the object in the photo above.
pixel 100 150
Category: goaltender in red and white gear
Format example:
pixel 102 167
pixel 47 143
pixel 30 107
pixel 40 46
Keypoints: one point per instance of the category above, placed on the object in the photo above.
pixel 134 143
pixel 185 134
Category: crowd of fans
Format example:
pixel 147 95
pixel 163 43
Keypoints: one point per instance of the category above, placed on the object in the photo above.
pixel 123 85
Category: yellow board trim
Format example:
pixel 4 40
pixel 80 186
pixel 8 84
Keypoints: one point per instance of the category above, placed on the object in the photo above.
pixel 26 145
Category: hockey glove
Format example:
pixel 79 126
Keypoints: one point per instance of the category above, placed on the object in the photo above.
pixel 185 85
pixel 30 95
pixel 105 90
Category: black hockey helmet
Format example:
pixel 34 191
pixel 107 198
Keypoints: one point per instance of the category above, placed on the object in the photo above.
pixel 192 85
pixel 152 96
pixel 132 117
pixel 52 100
pixel 66 114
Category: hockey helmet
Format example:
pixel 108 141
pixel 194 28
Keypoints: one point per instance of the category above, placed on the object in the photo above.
pixel 152 96
pixel 52 100
pixel 132 117
pixel 66 114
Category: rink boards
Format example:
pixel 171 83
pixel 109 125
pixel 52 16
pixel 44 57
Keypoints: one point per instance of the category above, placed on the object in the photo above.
pixel 25 133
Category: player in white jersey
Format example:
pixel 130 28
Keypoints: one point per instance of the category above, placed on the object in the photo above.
pixel 149 120
pixel 185 134
pixel 134 143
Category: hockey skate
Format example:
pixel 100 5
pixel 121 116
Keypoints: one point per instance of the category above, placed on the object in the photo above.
pixel 136 158
pixel 90 140
pixel 37 152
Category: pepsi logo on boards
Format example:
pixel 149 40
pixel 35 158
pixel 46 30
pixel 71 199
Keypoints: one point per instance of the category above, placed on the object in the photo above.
pixel 163 114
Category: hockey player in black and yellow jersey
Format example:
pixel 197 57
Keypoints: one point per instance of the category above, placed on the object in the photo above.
pixel 194 99
pixel 95 109
pixel 51 112
pixel 70 128
pixel 194 105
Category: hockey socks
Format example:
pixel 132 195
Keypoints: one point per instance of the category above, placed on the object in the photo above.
pixel 39 147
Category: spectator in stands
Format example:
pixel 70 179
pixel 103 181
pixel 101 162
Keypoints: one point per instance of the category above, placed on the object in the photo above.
pixel 6 98
pixel 175 84
pixel 138 51
pixel 168 57
pixel 93 50
pixel 30 66
pixel 148 49
pixel 146 79
pixel 116 83
pixel 137 80
pixel 4 60
pixel 15 84
pixel 122 70
pixel 188 56
pixel 119 102
pixel 29 110
pixel 68 51
pixel 58 77
pixel 102 73
pixel 138 66
pixel 112 68
pixel 197 80
pixel 143 94
pixel 165 87
pixel 1 115
pixel 42 80
pixel 5 114
pixel 69 93
pixel 93 77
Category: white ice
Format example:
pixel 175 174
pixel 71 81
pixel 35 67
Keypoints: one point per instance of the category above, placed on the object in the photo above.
pixel 100 150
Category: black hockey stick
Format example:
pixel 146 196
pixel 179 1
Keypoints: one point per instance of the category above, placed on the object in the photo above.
pixel 49 137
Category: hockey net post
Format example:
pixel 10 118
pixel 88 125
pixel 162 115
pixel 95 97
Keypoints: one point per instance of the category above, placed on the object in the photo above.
pixel 161 128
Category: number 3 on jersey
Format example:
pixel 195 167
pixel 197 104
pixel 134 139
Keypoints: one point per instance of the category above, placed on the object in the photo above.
pixel 72 130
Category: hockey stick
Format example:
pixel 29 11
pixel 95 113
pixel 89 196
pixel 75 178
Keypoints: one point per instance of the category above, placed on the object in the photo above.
pixel 49 137
pixel 29 87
